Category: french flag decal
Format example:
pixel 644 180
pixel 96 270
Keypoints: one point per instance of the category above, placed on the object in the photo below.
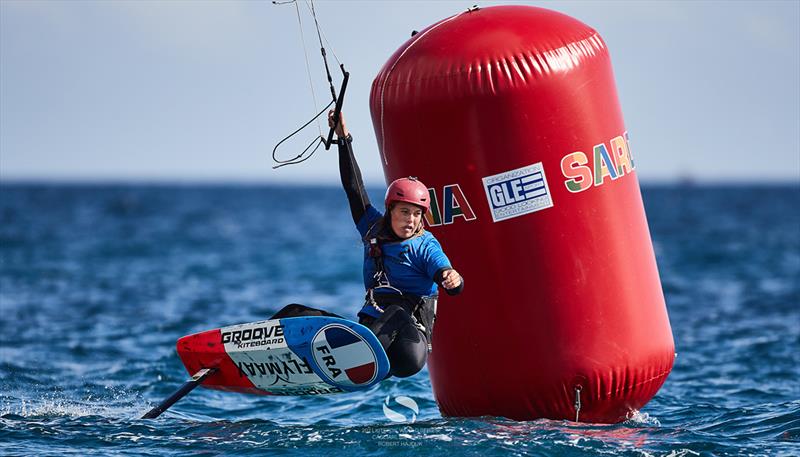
pixel 343 357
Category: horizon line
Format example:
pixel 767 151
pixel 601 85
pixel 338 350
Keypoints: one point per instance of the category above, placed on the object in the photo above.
pixel 254 182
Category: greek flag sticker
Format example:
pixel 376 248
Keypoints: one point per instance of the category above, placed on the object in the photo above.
pixel 517 192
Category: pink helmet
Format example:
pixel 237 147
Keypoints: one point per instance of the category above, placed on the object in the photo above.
pixel 409 190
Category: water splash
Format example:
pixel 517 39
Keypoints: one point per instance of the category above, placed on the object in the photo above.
pixel 114 404
pixel 637 417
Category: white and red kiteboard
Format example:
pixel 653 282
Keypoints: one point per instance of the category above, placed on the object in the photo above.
pixel 292 356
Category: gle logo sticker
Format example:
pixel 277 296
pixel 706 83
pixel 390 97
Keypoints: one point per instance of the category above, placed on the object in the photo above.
pixel 613 164
pixel 517 192
pixel 455 205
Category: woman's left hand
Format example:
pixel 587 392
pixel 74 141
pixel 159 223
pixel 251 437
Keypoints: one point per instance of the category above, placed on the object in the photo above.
pixel 451 279
pixel 341 129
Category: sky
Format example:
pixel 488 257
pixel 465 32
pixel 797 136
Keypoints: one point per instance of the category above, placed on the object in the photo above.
pixel 191 90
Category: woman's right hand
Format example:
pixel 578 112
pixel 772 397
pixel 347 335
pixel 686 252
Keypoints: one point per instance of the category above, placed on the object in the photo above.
pixel 451 279
pixel 341 129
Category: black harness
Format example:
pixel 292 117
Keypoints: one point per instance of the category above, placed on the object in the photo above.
pixel 380 279
pixel 421 309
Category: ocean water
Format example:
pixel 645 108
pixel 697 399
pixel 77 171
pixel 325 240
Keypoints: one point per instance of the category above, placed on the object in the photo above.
pixel 97 282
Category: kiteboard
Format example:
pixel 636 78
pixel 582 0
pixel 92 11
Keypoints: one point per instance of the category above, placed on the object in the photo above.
pixel 292 356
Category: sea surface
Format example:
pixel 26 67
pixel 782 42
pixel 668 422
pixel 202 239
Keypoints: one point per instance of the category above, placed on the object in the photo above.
pixel 97 282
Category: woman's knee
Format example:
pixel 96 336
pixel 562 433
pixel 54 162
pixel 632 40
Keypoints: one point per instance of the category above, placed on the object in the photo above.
pixel 407 357
pixel 409 351
pixel 404 344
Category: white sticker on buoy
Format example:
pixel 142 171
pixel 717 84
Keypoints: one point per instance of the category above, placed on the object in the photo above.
pixel 517 192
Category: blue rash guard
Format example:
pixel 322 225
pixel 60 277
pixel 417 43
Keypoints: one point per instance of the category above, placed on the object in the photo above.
pixel 414 266
pixel 409 264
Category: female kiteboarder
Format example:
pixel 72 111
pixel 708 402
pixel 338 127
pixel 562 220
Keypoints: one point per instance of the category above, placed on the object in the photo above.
pixel 403 263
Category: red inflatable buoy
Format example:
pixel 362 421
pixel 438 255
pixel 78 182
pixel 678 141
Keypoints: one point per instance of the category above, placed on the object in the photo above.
pixel 510 115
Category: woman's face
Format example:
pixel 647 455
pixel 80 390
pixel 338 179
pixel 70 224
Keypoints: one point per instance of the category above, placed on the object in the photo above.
pixel 405 219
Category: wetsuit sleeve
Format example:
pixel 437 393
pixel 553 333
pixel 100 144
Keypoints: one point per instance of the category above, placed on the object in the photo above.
pixel 351 179
pixel 368 219
pixel 439 277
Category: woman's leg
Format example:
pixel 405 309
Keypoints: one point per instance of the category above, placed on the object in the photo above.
pixel 403 342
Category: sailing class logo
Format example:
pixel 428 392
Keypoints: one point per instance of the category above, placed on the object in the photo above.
pixel 343 357
pixel 407 404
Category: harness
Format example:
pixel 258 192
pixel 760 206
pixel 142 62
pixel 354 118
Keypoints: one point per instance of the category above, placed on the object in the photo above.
pixel 380 279
pixel 422 309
